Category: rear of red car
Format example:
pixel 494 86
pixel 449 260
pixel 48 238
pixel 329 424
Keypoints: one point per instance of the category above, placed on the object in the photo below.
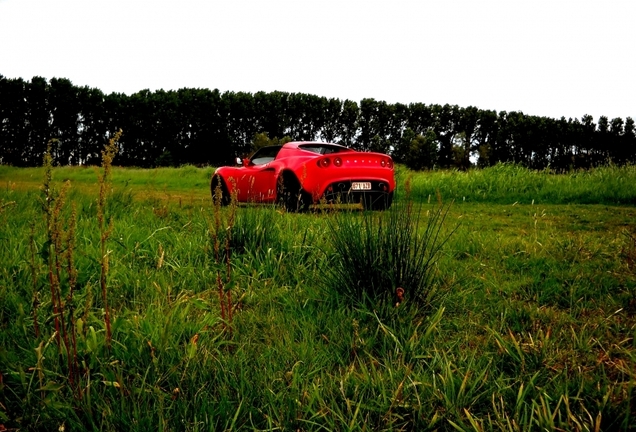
pixel 350 177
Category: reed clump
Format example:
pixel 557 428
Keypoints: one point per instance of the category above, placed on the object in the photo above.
pixel 387 256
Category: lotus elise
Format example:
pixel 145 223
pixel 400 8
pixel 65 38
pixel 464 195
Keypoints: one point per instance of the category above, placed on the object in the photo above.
pixel 297 175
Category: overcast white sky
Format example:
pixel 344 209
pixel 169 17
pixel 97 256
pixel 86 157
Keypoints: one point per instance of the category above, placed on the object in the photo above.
pixel 543 57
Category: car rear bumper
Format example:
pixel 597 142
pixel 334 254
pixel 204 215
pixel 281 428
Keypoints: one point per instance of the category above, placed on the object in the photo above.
pixel 343 192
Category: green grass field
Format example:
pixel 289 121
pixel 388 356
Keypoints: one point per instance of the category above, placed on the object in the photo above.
pixel 525 319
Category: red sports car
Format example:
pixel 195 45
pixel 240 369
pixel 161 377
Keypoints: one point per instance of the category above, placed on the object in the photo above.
pixel 299 174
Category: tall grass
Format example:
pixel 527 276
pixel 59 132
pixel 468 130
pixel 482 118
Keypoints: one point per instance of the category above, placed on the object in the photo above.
pixel 535 330
pixel 501 184
pixel 507 183
pixel 186 182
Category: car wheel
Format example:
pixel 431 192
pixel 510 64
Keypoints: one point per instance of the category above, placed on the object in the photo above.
pixel 218 183
pixel 377 202
pixel 290 195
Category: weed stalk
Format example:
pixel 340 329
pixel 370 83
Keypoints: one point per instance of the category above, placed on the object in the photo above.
pixel 225 296
pixel 34 281
pixel 59 250
pixel 71 271
pixel 58 255
pixel 105 229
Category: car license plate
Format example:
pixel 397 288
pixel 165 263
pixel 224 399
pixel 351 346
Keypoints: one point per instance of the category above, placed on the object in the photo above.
pixel 361 186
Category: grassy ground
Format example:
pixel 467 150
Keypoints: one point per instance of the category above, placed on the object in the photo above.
pixel 532 326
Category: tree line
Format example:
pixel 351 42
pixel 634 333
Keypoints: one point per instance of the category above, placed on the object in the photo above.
pixel 202 126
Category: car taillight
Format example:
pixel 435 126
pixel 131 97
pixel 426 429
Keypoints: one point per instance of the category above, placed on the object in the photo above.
pixel 337 162
pixel 324 163
pixel 383 163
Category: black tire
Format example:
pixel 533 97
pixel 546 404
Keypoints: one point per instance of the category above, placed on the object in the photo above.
pixel 290 195
pixel 218 182
pixel 377 202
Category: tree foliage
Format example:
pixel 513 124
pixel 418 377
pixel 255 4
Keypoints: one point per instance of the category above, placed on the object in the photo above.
pixel 202 126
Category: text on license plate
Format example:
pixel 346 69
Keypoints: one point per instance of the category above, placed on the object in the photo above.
pixel 361 186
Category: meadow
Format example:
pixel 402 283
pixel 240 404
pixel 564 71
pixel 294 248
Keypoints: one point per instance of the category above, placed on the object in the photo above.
pixel 135 303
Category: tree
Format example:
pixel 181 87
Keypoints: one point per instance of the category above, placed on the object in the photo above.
pixel 13 128
pixel 241 120
pixel 616 149
pixel 93 126
pixel 419 118
pixel 467 122
pixel 263 140
pixel 629 140
pixel 485 136
pixel 461 151
pixel 349 123
pixel 203 134
pixel 64 125
pixel 38 120
pixel 331 127
pixel 377 118
pixel 270 111
pixel 601 141
pixel 305 116
pixel 417 151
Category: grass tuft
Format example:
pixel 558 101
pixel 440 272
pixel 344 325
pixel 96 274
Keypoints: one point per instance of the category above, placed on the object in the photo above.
pixel 389 256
